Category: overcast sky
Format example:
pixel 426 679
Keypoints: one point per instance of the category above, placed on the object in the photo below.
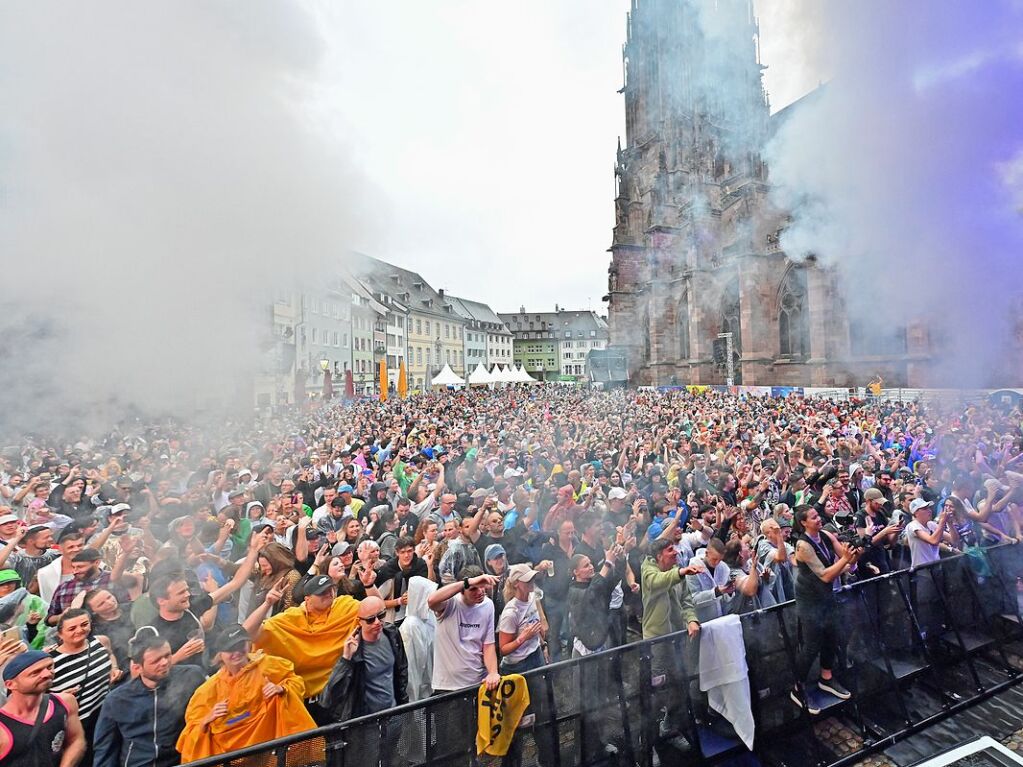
pixel 487 134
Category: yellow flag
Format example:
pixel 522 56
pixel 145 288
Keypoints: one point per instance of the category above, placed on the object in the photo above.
pixel 402 381
pixel 383 380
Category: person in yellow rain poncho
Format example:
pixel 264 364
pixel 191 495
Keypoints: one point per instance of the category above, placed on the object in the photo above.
pixel 252 699
pixel 311 635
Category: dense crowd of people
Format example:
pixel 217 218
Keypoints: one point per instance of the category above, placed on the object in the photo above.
pixel 171 592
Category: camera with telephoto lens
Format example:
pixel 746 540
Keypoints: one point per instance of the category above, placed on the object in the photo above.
pixel 854 541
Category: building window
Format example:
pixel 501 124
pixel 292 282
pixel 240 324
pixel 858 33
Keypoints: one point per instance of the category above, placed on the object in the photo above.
pixel 427 326
pixel 419 355
pixel 447 330
pixel 792 315
pixel 730 324
pixel 314 335
pixel 593 334
pixel 683 328
pixel 419 327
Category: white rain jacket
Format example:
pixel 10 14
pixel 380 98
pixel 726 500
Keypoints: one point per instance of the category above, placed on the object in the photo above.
pixel 417 632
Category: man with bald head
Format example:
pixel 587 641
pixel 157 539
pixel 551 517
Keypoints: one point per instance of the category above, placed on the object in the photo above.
pixel 371 675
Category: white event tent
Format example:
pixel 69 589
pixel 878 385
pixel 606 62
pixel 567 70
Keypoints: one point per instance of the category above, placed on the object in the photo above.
pixel 447 377
pixel 480 377
pixel 521 376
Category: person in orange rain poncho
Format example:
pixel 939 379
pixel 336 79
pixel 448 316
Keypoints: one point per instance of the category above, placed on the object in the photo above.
pixel 252 699
pixel 311 635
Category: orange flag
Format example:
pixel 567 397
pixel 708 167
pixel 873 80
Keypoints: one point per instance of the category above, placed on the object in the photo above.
pixel 402 381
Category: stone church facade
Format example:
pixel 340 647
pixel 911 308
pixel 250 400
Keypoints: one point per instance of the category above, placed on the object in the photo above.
pixel 695 250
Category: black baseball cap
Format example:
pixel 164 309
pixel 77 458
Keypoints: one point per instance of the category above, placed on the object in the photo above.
pixel 87 555
pixel 318 585
pixel 231 638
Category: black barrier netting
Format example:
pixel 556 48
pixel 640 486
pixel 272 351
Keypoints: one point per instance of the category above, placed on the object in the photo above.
pixel 916 646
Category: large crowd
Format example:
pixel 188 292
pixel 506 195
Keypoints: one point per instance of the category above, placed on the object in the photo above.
pixel 170 592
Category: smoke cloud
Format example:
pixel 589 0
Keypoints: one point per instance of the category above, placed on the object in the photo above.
pixel 905 171
pixel 165 168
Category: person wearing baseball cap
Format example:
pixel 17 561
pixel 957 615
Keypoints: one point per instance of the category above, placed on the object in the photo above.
pixel 872 520
pixel 310 635
pixel 9 524
pixel 37 727
pixel 925 535
pixel 263 686
pixel 522 630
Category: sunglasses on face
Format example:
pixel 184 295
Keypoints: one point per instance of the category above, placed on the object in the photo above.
pixel 373 618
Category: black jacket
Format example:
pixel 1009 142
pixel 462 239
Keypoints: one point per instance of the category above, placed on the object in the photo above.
pixel 589 608
pixel 392 569
pixel 343 696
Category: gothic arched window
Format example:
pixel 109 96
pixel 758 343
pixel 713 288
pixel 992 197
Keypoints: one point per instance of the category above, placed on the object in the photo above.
pixel 683 328
pixel 793 325
pixel 730 323
pixel 730 314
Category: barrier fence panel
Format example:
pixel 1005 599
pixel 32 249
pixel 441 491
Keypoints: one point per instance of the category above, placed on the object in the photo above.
pixel 916 646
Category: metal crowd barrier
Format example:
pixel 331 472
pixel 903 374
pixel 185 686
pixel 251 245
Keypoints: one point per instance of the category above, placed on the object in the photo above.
pixel 920 646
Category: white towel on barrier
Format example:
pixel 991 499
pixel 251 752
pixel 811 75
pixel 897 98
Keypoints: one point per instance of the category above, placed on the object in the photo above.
pixel 724 675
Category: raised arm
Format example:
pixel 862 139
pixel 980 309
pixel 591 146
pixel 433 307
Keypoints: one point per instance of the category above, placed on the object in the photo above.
pixel 241 574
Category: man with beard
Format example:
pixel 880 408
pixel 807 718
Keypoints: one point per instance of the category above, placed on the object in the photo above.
pixel 140 721
pixel 86 577
pixel 36 552
pixel 36 727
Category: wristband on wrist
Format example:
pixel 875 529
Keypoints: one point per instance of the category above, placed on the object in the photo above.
pixel 465 584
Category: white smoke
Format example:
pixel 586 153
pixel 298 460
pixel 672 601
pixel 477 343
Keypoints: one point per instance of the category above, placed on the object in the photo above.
pixel 162 174
pixel 897 171
pixel 1011 173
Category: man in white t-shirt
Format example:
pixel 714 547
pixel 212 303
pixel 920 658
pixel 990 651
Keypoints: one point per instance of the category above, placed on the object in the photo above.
pixel 924 535
pixel 464 654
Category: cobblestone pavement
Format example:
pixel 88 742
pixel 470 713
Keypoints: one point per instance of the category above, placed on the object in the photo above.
pixel 1013 742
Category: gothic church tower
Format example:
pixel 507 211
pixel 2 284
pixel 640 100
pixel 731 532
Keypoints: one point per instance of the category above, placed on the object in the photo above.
pixel 695 247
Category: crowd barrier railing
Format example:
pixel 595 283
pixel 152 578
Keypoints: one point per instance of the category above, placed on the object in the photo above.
pixel 918 645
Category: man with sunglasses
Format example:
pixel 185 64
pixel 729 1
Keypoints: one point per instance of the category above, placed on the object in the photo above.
pixel 370 676
pixel 372 673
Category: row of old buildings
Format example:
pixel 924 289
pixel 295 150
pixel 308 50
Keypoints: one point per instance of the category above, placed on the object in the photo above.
pixel 372 311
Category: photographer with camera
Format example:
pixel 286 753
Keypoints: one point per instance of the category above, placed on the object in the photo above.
pixel 821 559
pixel 878 535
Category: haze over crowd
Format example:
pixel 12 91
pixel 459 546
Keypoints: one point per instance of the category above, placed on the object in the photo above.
pixel 164 168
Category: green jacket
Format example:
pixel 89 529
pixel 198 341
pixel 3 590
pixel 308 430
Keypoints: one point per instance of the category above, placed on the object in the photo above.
pixel 667 603
pixel 400 472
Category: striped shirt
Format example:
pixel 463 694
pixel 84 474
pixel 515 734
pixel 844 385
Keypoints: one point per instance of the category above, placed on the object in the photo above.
pixel 89 670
